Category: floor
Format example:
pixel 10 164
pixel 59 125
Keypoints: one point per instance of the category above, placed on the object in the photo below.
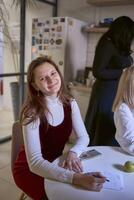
pixel 8 189
pixel 6 120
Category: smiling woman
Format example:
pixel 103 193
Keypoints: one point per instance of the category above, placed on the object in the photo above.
pixel 47 79
pixel 48 117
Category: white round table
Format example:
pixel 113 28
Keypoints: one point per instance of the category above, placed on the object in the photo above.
pixel 112 159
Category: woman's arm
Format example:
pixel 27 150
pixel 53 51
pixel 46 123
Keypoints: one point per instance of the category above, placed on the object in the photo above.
pixel 36 162
pixel 72 161
pixel 124 122
pixel 43 168
pixel 82 138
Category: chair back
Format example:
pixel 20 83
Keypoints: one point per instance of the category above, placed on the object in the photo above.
pixel 17 141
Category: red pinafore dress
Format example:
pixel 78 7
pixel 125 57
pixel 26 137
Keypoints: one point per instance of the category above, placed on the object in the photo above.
pixel 52 140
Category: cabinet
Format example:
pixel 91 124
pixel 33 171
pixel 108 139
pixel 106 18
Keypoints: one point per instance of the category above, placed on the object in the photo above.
pixel 82 96
pixel 110 2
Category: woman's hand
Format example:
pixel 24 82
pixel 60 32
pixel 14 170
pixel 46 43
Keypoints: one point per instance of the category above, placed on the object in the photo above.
pixel 72 162
pixel 91 181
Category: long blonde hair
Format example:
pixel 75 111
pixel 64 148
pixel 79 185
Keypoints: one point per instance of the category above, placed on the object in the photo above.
pixel 125 91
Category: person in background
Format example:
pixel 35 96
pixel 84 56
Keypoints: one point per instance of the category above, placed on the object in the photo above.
pixel 112 55
pixel 48 116
pixel 123 108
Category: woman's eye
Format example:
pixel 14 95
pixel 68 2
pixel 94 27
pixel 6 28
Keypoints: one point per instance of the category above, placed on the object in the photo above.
pixel 53 73
pixel 42 79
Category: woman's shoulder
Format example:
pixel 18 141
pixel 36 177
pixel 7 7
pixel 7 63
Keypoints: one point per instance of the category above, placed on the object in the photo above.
pixel 123 112
pixel 32 126
pixel 73 102
pixel 124 108
pixel 106 42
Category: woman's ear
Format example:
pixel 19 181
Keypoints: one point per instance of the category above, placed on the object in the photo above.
pixel 35 86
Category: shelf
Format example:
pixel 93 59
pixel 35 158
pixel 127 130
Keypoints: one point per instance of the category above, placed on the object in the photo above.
pixel 110 2
pixel 95 30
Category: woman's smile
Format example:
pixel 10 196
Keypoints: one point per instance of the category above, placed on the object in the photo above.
pixel 47 79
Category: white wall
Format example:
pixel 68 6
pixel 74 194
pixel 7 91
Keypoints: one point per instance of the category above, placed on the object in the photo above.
pixel 78 9
pixel 83 11
pixel 116 11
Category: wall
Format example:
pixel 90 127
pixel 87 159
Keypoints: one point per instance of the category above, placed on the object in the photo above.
pixel 78 9
pixel 83 11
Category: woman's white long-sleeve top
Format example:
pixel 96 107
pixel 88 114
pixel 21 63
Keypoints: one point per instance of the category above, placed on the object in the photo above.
pixel 36 162
pixel 124 122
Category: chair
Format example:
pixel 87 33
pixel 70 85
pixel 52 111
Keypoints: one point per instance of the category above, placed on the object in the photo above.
pixel 17 141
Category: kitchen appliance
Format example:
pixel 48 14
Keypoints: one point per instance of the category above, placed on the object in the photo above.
pixel 62 39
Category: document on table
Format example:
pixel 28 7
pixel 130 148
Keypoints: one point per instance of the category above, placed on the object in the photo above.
pixel 114 181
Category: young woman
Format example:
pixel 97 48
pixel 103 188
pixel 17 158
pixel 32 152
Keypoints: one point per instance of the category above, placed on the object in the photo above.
pixel 48 116
pixel 112 55
pixel 123 108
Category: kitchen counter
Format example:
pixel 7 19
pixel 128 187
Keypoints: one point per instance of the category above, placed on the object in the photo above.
pixel 81 93
pixel 80 88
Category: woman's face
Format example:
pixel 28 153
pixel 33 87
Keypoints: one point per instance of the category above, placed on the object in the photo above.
pixel 47 79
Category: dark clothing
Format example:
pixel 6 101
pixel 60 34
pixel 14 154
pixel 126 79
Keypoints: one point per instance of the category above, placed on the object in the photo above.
pixel 107 68
pixel 53 140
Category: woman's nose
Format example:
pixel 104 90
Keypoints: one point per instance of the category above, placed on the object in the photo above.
pixel 49 79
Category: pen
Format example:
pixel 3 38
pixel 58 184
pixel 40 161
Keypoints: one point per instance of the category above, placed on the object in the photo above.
pixel 100 177
pixel 107 180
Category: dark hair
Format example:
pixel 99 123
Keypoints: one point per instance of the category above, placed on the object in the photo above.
pixel 121 32
pixel 35 104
